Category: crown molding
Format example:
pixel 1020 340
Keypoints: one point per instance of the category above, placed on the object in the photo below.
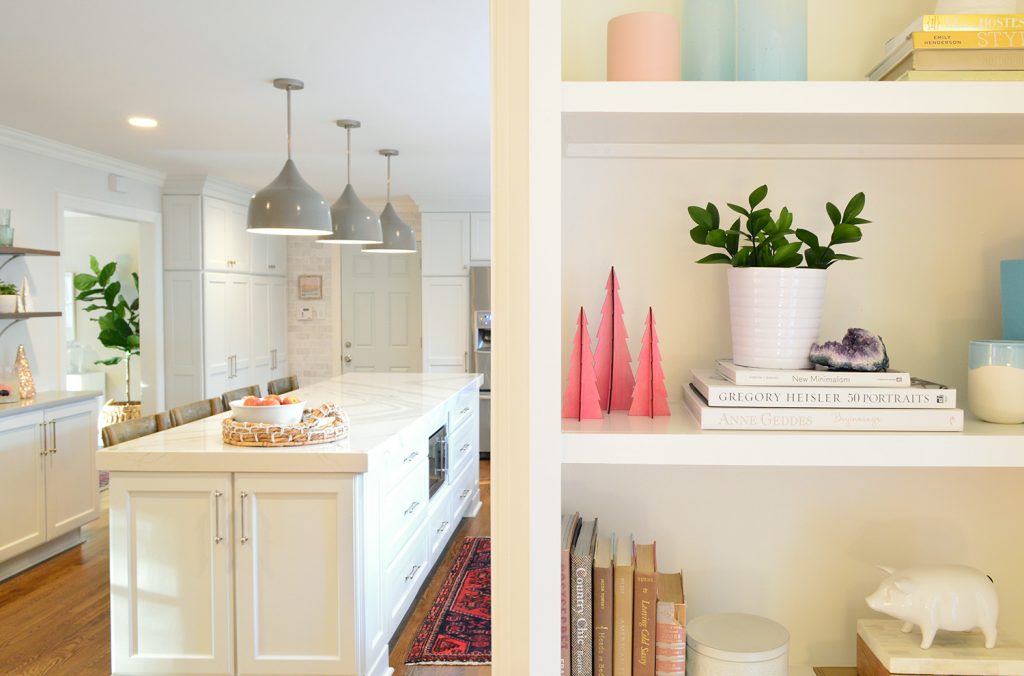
pixel 39 145
pixel 210 186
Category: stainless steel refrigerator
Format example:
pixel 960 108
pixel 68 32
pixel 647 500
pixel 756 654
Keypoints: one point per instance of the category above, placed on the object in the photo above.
pixel 480 323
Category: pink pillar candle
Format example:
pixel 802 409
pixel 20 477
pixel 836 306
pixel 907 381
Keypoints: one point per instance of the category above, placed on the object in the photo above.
pixel 643 46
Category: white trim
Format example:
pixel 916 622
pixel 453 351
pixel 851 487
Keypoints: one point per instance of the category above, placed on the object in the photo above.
pixel 210 186
pixel 39 145
pixel 151 269
pixel 790 151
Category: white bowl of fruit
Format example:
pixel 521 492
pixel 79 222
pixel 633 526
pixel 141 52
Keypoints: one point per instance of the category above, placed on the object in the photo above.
pixel 271 409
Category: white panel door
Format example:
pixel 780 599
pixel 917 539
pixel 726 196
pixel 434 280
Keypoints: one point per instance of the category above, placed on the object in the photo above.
pixel 238 238
pixel 72 491
pixel 216 349
pixel 278 321
pixel 260 329
pixel 445 244
pixel 182 230
pixel 277 255
pixel 259 246
pixel 215 234
pixel 22 492
pixel 445 324
pixel 294 553
pixel 183 337
pixel 238 313
pixel 171 608
pixel 380 312
pixel 480 238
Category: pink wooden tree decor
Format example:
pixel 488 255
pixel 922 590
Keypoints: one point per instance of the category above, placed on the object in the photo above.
pixel 614 369
pixel 581 401
pixel 649 395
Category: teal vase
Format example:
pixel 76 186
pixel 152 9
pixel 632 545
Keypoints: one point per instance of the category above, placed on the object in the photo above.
pixel 709 40
pixel 1012 274
pixel 771 39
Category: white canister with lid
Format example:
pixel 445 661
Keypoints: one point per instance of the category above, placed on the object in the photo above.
pixel 735 644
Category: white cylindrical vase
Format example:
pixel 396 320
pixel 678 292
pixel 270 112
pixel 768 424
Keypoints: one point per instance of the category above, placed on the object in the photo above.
pixel 734 644
pixel 775 315
pixel 8 303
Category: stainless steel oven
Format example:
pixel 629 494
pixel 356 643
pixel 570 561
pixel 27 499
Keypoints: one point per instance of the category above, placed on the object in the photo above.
pixel 437 450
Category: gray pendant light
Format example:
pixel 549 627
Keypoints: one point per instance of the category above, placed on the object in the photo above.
pixel 398 235
pixel 353 221
pixel 289 205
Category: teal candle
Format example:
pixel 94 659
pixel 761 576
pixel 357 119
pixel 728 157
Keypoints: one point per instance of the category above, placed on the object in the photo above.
pixel 771 39
pixel 709 40
pixel 1012 274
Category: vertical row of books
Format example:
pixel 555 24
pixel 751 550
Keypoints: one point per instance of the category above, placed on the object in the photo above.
pixel 620 615
pixel 733 397
pixel 956 47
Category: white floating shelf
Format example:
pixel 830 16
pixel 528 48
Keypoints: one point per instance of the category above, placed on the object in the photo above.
pixel 620 439
pixel 948 114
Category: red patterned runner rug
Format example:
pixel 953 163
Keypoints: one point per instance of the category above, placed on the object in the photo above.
pixel 458 627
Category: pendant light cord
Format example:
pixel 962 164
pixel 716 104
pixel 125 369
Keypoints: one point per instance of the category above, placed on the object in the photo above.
pixel 289 93
pixel 348 154
pixel 389 179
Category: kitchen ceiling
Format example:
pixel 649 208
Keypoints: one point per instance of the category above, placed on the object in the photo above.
pixel 415 73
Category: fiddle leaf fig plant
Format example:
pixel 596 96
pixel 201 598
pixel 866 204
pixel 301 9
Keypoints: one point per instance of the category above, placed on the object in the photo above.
pixel 756 239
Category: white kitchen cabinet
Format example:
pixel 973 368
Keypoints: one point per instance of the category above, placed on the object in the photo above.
pixel 226 318
pixel 171 575
pixel 183 232
pixel 480 238
pixel 22 483
pixel 225 240
pixel 446 324
pixel 278 320
pixel 445 242
pixel 183 337
pixel 267 254
pixel 260 329
pixel 72 491
pixel 294 569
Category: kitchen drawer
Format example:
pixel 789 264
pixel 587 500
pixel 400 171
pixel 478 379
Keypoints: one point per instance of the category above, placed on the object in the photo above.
pixel 463 446
pixel 404 509
pixel 403 459
pixel 467 402
pixel 465 487
pixel 403 578
pixel 440 523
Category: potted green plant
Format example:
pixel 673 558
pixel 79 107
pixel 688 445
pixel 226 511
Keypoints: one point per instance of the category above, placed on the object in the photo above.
pixel 119 328
pixel 8 297
pixel 777 275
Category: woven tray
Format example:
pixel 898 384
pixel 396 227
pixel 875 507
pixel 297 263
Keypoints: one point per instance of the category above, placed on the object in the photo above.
pixel 318 426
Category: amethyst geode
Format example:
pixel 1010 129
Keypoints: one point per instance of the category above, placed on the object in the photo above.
pixel 860 350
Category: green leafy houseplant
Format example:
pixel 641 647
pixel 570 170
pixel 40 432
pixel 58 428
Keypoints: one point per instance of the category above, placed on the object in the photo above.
pixel 8 289
pixel 764 241
pixel 118 319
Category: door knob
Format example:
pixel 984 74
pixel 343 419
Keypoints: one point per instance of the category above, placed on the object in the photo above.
pixel 348 359
pixel 348 343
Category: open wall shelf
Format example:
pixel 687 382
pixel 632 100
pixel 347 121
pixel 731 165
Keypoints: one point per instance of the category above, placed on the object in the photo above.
pixel 621 439
pixel 15 317
pixel 12 252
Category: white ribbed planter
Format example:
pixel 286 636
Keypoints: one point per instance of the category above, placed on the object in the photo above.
pixel 775 315
pixel 8 303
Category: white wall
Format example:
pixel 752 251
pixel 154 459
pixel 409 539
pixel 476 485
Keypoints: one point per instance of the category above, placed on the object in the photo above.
pixel 33 174
pixel 109 239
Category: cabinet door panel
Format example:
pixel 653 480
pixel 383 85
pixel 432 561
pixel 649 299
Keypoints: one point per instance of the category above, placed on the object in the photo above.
pixel 446 324
pixel 183 337
pixel 215 234
pixel 72 490
pixel 239 314
pixel 277 320
pixel 171 608
pixel 480 238
pixel 445 244
pixel 294 569
pixel 259 327
pixel 22 495
pixel 182 228
pixel 238 238
pixel 216 350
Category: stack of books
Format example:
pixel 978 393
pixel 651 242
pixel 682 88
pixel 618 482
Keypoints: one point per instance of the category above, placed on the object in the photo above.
pixel 734 397
pixel 956 47
pixel 620 616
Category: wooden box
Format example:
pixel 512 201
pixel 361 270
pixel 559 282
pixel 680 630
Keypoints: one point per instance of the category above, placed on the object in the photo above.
pixel 884 650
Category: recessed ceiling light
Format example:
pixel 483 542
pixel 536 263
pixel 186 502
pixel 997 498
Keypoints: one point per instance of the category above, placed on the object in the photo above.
pixel 144 122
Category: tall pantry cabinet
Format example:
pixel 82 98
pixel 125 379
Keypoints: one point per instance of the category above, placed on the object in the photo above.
pixel 225 293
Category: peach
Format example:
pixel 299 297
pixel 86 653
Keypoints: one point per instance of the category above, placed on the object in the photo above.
pixel 270 402
pixel 251 401
pixel 291 400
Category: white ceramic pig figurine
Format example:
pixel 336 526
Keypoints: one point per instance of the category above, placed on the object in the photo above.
pixel 955 598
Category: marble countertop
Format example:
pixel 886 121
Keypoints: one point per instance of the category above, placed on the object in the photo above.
pixel 45 400
pixel 379 406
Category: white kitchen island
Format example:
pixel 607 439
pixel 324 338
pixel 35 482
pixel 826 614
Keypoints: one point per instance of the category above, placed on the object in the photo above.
pixel 236 560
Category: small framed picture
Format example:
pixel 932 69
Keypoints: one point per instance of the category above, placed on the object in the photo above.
pixel 311 287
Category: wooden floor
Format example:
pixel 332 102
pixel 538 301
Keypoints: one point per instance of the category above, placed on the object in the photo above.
pixel 55 618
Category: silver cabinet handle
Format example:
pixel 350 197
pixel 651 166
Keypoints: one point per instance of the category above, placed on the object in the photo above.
pixel 53 436
pixel 463 494
pixel 411 509
pixel 241 506
pixel 465 447
pixel 46 448
pixel 465 362
pixel 464 411
pixel 409 458
pixel 412 573
pixel 272 266
pixel 273 359
pixel 443 528
pixel 217 539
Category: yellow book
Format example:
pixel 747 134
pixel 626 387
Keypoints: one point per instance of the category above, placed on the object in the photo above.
pixel 998 39
pixel 956 22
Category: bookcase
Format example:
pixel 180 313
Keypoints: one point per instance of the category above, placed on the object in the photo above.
pixel 787 525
